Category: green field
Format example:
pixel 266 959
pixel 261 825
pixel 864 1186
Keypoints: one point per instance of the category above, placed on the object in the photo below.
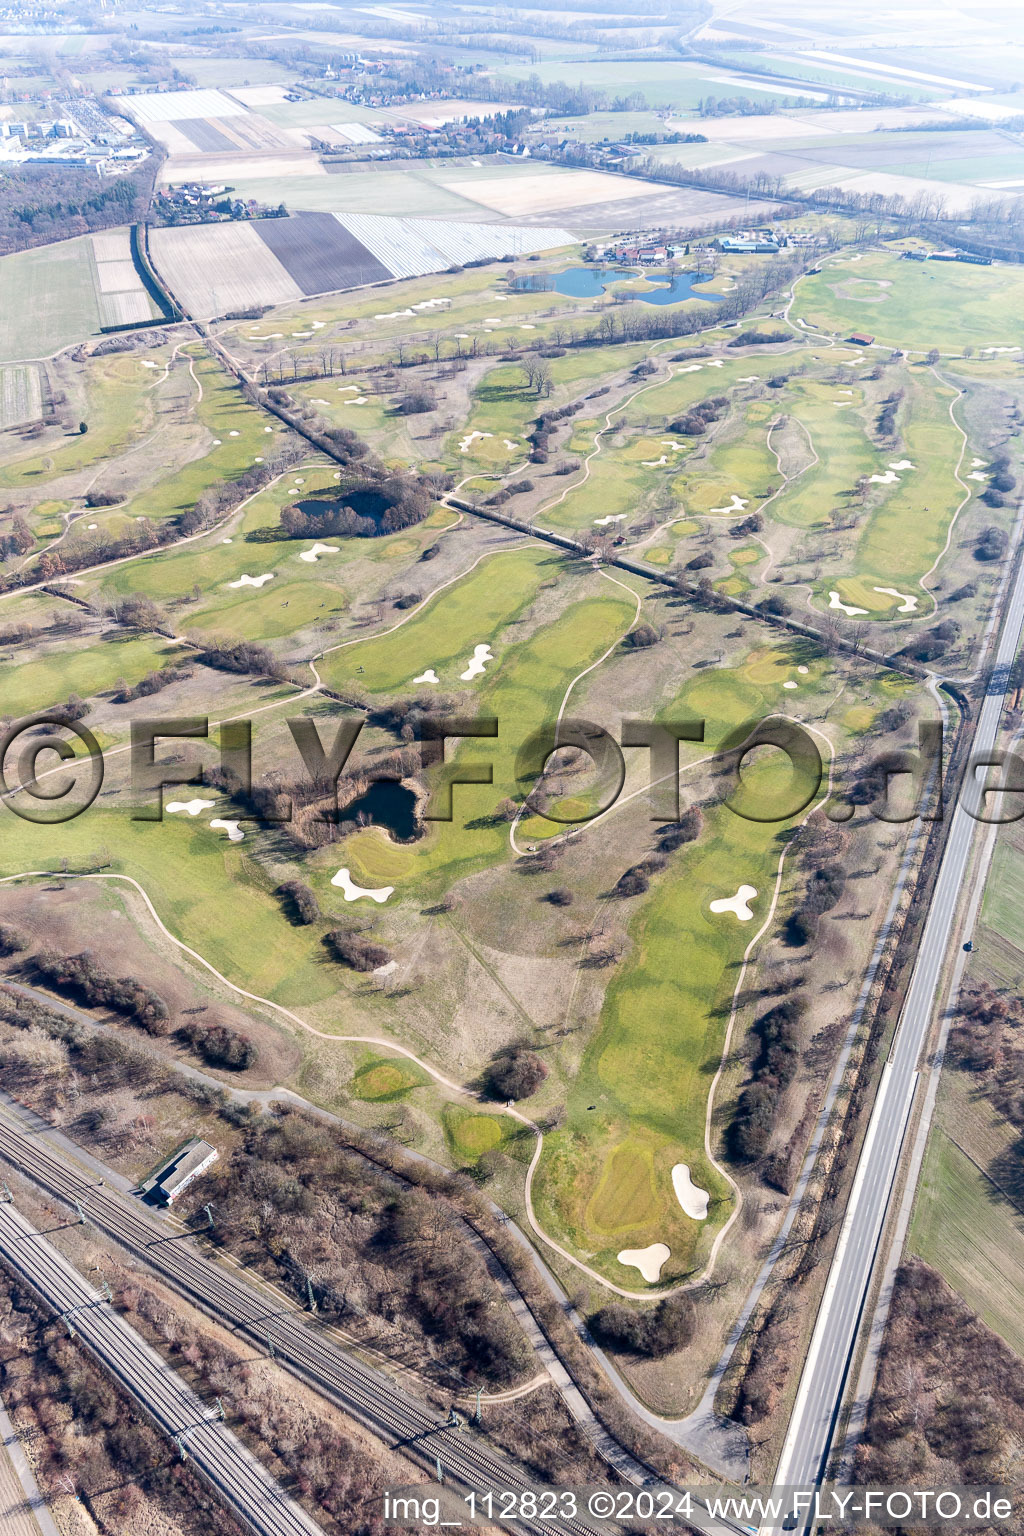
pixel 471 1136
pixel 972 1235
pixel 915 304
pixel 50 299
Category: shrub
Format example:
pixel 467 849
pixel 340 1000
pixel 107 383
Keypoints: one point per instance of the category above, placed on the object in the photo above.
pixel 653 1334
pixel 560 896
pixel 416 401
pixel 515 1073
pixel 12 940
pixel 219 1046
pixel 301 900
pixel 353 950
pixel 633 883
pixel 641 638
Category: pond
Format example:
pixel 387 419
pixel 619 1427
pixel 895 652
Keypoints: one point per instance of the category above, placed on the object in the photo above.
pixel 387 803
pixel 364 503
pixel 591 282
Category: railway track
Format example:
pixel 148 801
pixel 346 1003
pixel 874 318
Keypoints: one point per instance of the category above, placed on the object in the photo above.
pixel 218 1455
pixel 390 1412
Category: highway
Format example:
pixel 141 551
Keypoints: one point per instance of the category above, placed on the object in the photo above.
pixel 822 1384
pixel 389 1411
pixel 244 1485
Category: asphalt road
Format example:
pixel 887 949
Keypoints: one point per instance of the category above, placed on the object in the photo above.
pixel 242 1482
pixel 823 1382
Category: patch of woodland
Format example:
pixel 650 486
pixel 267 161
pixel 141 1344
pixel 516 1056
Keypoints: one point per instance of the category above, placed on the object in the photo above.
pixel 949 1400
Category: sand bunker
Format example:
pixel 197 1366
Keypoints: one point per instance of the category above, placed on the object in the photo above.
pixel 312 555
pixel 977 463
pixel 803 670
pixel 92 525
pixel 190 807
pixel 789 684
pixel 716 362
pixel 227 541
pixel 216 442
pixel 268 429
pixel 393 314
pixel 648 1261
pixel 887 479
pixel 738 504
pixel 148 363
pixel 654 463
pixel 303 334
pixel 509 445
pixel 252 581
pixel 977 475
pixel 749 378
pixel 477 663
pixel 902 464
pixel 908 601
pixel 429 676
pixel 233 433
pixel 352 892
pixel 692 368
pixel 493 320
pixel 466 443
pixel 613 517
pixel 233 830
pixel 691 1197
pixel 834 601
pixel 358 400
pixel 737 904
pixel 348 389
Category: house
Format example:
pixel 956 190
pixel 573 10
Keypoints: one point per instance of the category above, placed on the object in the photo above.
pixel 165 1185
pixel 861 339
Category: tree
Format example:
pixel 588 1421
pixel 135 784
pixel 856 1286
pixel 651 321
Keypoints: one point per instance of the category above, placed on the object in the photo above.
pixel 933 357
pixel 83 427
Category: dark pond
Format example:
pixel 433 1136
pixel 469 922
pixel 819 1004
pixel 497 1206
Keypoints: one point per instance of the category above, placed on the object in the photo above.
pixel 363 503
pixel 591 282
pixel 386 803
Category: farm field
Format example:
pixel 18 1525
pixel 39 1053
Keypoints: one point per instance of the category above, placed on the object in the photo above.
pixel 55 295
pixel 20 396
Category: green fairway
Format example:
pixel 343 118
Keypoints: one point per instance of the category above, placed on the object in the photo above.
pixel 443 634
pixel 606 1178
pixel 523 687
pixel 30 686
pixel 917 304
pixel 907 532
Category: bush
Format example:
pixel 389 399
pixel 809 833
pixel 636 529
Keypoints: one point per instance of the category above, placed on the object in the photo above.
pixel 670 1326
pixel 686 830
pixel 641 638
pixel 560 896
pixel 992 542
pixel 633 883
pixel 775 604
pixel 416 401
pixel 353 950
pixel 12 940
pixel 219 1046
pixel 408 600
pixel 515 1073
pixel 90 983
pixel 301 901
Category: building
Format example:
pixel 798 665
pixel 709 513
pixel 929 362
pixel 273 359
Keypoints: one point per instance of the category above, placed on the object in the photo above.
pixel 748 247
pixel 191 1160
pixel 861 339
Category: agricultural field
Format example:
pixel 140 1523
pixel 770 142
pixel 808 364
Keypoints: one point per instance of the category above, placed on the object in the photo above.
pixel 56 295
pixel 20 396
